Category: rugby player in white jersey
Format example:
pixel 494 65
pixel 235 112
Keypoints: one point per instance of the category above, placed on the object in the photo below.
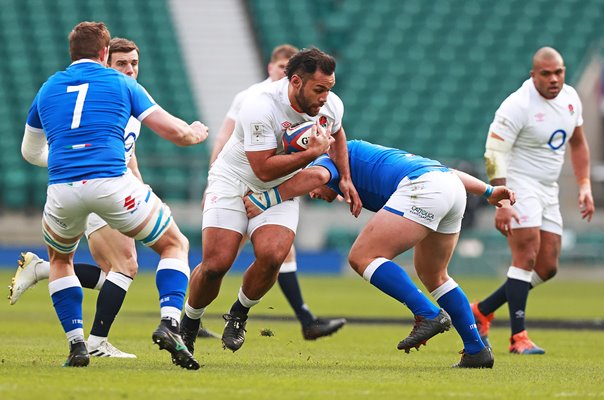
pixel 253 159
pixel 312 327
pixel 76 126
pixel 525 150
pixel 114 252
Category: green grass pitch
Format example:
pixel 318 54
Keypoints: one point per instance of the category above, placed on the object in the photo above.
pixel 359 362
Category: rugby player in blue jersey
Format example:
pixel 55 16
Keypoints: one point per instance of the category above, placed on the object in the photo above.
pixel 419 203
pixel 81 113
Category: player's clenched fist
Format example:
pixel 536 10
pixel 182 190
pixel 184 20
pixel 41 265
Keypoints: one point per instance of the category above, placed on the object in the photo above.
pixel 200 131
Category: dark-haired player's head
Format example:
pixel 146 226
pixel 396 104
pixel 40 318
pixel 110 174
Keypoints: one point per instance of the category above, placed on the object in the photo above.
pixel 311 74
pixel 124 56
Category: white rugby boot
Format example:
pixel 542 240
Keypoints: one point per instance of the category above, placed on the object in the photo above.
pixel 25 277
pixel 106 349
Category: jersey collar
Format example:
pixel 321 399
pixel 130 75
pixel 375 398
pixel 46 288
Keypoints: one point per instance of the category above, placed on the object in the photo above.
pixel 83 60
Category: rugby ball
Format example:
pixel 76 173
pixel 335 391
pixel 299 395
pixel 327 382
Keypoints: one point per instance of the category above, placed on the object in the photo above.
pixel 295 138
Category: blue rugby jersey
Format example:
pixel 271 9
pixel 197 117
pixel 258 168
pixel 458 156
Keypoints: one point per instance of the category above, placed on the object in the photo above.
pixel 376 170
pixel 83 111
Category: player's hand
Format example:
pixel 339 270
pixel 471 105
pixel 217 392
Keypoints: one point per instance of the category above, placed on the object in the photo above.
pixel 504 216
pixel 200 132
pixel 319 140
pixel 501 193
pixel 256 203
pixel 586 202
pixel 351 196
pixel 251 209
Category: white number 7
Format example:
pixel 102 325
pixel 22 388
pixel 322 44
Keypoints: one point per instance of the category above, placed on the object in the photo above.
pixel 79 105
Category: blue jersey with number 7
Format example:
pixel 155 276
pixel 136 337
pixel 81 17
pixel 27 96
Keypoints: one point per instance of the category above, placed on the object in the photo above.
pixel 83 111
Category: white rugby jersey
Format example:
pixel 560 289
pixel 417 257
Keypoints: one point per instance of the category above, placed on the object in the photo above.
pixel 239 97
pixel 539 128
pixel 131 133
pixel 264 116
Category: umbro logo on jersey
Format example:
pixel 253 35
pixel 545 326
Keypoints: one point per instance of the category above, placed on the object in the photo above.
pixel 540 117
pixel 286 124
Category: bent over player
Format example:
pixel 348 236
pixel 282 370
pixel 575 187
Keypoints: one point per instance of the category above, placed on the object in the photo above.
pixel 419 203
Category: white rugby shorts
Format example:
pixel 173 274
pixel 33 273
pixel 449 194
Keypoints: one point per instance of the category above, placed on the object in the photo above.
pixel 436 199
pixel 224 208
pixel 537 204
pixel 94 224
pixel 123 202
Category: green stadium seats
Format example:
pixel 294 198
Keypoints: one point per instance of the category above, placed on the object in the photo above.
pixel 452 60
pixel 34 34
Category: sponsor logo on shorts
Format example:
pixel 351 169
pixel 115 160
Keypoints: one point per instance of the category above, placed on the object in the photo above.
pixel 58 221
pixel 131 204
pixel 423 214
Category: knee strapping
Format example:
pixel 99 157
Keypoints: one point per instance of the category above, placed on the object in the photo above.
pixel 156 226
pixel 57 245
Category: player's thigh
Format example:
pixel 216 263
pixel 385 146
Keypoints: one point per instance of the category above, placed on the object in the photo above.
pixel 549 255
pixel 272 232
pixel 431 258
pixel 65 211
pixel 127 204
pixel 64 217
pixel 272 243
pixel 385 235
pixel 113 251
pixel 220 248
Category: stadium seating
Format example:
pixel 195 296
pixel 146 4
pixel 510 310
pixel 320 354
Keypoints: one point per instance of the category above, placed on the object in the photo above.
pixel 34 33
pixel 427 76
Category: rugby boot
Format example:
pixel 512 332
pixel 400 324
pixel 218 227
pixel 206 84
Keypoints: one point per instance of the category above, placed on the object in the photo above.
pixel 322 327
pixel 167 338
pixel 25 277
pixel 482 359
pixel 233 335
pixel 424 329
pixel 78 355
pixel 521 344
pixel 188 332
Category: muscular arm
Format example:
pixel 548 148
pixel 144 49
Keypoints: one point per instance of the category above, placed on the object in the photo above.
pixel 579 155
pixel 339 154
pixel 175 129
pixel 226 130
pixel 268 166
pixel 304 182
pixel 477 187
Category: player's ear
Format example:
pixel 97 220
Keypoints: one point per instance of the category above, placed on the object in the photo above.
pixel 296 81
